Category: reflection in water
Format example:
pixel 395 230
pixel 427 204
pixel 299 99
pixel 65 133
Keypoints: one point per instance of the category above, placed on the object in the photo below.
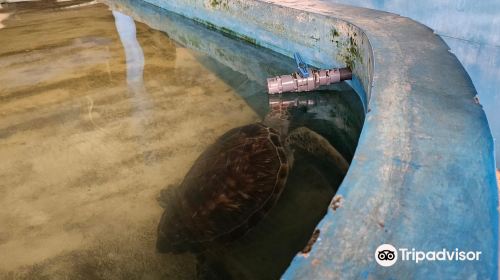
pixel 134 59
pixel 133 52
pixel 76 5
pixel 98 116
pixel 3 16
pixel 471 29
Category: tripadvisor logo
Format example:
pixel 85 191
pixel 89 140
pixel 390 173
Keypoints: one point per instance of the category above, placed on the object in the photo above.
pixel 387 255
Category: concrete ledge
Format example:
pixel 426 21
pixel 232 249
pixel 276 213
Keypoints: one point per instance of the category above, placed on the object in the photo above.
pixel 423 175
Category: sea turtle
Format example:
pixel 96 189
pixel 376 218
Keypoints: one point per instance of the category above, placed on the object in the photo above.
pixel 235 182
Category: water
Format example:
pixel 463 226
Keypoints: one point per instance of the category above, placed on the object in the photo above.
pixel 99 112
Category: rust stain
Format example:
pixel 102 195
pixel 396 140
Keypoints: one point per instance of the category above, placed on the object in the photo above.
pixel 336 202
pixel 315 262
pixel 498 177
pixel 311 242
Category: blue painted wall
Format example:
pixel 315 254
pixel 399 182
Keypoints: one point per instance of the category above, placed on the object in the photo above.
pixel 471 29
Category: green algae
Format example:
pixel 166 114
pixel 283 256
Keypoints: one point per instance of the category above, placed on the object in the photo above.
pixel 348 48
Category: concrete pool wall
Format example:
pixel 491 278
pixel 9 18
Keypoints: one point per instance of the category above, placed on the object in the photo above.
pixel 423 175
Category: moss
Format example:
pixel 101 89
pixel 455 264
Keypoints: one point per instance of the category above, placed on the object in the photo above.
pixel 232 34
pixel 335 37
pixel 227 32
pixel 215 3
pixel 348 48
pixel 335 33
pixel 219 4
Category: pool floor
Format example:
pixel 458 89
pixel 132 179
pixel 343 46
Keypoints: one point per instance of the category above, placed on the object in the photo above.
pixel 87 146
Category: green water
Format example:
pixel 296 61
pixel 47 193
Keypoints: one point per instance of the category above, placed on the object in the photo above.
pixel 102 107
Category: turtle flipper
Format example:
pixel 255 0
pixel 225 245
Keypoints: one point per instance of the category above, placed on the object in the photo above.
pixel 166 196
pixel 207 269
pixel 316 145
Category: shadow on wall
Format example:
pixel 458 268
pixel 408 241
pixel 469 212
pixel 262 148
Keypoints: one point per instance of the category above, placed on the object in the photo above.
pixel 476 41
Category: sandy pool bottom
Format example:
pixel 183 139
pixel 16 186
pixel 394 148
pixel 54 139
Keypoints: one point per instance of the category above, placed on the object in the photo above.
pixel 89 134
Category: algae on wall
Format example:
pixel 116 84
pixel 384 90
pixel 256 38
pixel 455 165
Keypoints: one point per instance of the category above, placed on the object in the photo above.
pixel 347 46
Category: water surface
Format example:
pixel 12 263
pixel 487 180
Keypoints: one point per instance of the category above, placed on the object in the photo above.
pixel 101 109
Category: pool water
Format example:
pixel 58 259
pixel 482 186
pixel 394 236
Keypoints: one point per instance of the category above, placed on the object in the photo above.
pixel 102 106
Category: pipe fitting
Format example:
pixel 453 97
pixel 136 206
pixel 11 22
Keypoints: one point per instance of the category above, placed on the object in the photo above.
pixel 315 79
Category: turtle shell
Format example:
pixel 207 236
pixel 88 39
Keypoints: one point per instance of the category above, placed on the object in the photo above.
pixel 230 187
